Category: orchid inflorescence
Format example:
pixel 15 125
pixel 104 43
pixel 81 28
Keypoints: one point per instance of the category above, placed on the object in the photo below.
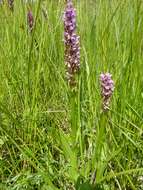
pixel 107 88
pixel 11 4
pixel 30 20
pixel 71 40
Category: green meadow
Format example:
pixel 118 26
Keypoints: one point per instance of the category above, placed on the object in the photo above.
pixel 51 135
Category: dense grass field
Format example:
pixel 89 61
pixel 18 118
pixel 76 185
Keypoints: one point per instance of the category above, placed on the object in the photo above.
pixel 53 136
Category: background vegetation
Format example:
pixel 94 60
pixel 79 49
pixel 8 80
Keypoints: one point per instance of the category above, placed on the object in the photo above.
pixel 52 137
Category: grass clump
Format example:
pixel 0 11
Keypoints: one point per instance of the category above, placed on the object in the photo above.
pixel 51 135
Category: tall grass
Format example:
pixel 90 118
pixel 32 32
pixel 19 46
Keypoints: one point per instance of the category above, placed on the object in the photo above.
pixel 54 138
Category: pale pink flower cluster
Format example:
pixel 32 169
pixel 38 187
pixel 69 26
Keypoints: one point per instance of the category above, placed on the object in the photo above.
pixel 107 88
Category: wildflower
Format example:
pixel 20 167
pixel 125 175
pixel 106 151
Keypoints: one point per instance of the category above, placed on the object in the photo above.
pixel 30 20
pixel 1 2
pixel 72 44
pixel 11 4
pixel 107 88
pixel 45 14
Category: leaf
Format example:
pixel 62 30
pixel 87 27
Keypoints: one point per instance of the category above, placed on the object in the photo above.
pixel 1 142
pixel 69 153
pixel 86 186
pixel 79 182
